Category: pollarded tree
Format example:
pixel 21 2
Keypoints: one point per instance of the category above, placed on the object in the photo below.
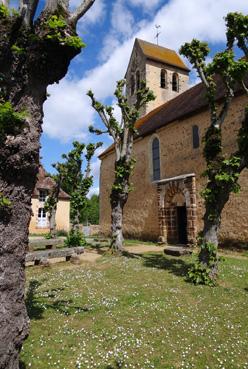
pixel 123 134
pixel 33 54
pixel 53 198
pixel 76 182
pixel 223 170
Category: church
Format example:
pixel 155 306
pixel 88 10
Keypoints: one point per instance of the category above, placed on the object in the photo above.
pixel 166 202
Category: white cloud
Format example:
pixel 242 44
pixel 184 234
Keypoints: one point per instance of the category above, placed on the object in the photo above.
pixel 122 19
pixel 68 111
pixel 95 14
pixel 93 191
pixel 146 4
pixel 110 43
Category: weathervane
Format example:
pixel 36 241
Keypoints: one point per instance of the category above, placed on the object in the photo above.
pixel 157 26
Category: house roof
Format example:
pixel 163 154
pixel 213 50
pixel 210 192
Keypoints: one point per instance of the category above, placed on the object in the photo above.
pixel 162 54
pixel 44 182
pixel 186 104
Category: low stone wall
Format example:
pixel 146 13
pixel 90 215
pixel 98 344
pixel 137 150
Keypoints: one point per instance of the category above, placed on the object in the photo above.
pixel 42 257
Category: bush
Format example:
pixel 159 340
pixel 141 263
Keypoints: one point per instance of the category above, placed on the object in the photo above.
pixel 75 238
pixel 48 236
pixel 61 233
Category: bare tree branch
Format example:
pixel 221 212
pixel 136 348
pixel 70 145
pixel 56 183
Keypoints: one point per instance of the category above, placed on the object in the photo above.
pixel 52 5
pixel 4 2
pixel 244 86
pixel 81 10
pixel 27 9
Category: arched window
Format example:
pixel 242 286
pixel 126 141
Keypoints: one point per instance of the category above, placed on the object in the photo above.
pixel 163 78
pixel 195 136
pixel 132 84
pixel 175 82
pixel 137 80
pixel 155 160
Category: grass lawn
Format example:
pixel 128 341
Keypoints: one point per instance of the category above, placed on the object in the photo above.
pixel 136 313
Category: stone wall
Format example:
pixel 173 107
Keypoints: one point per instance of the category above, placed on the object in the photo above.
pixel 153 70
pixel 150 72
pixel 177 157
pixel 62 217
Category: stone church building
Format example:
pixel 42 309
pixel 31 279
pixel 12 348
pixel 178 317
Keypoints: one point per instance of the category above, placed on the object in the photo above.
pixel 166 203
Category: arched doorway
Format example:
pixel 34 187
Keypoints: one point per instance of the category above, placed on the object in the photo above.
pixel 179 203
pixel 177 209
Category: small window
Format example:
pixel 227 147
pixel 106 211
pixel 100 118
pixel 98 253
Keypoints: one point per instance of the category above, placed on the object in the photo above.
pixel 137 80
pixel 196 138
pixel 175 82
pixel 163 78
pixel 155 159
pixel 132 84
pixel 42 195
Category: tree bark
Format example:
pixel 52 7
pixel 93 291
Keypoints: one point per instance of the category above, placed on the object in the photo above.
pixel 116 226
pixel 52 223
pixel 25 77
pixel 17 180
pixel 211 230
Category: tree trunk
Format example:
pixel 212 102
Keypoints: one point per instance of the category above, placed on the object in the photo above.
pixel 52 222
pixel 208 254
pixel 117 205
pixel 19 162
pixel 25 76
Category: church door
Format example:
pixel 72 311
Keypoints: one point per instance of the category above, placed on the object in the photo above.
pixel 182 224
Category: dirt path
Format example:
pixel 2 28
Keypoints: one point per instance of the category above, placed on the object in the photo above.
pixel 141 248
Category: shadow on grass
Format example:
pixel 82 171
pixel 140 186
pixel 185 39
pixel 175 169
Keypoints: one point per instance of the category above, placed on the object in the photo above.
pixel 22 365
pixel 174 265
pixel 37 305
pixel 35 311
pixel 131 255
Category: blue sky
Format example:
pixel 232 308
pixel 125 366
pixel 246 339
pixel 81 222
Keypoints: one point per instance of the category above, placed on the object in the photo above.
pixel 109 30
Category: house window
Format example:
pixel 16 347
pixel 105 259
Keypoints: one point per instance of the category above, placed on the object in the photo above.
pixel 155 159
pixel 137 80
pixel 163 78
pixel 175 82
pixel 195 136
pixel 42 219
pixel 132 84
pixel 42 195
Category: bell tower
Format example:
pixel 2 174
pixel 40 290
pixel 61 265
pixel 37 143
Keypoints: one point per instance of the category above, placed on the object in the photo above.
pixel 163 70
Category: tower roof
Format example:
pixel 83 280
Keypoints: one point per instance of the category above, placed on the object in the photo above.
pixel 161 54
pixel 44 182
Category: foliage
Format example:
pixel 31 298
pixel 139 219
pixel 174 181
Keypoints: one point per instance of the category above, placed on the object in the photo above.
pixel 202 273
pixel 18 50
pixel 223 170
pixel 57 26
pixel 123 133
pixel 76 182
pixel 75 238
pixel 4 11
pixel 48 236
pixel 61 233
pixel 4 202
pixel 91 212
pixel 10 121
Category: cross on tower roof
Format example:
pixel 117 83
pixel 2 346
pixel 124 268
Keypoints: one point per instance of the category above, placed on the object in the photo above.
pixel 157 26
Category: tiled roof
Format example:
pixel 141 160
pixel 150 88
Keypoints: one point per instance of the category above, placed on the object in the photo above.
pixel 187 103
pixel 44 182
pixel 162 54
